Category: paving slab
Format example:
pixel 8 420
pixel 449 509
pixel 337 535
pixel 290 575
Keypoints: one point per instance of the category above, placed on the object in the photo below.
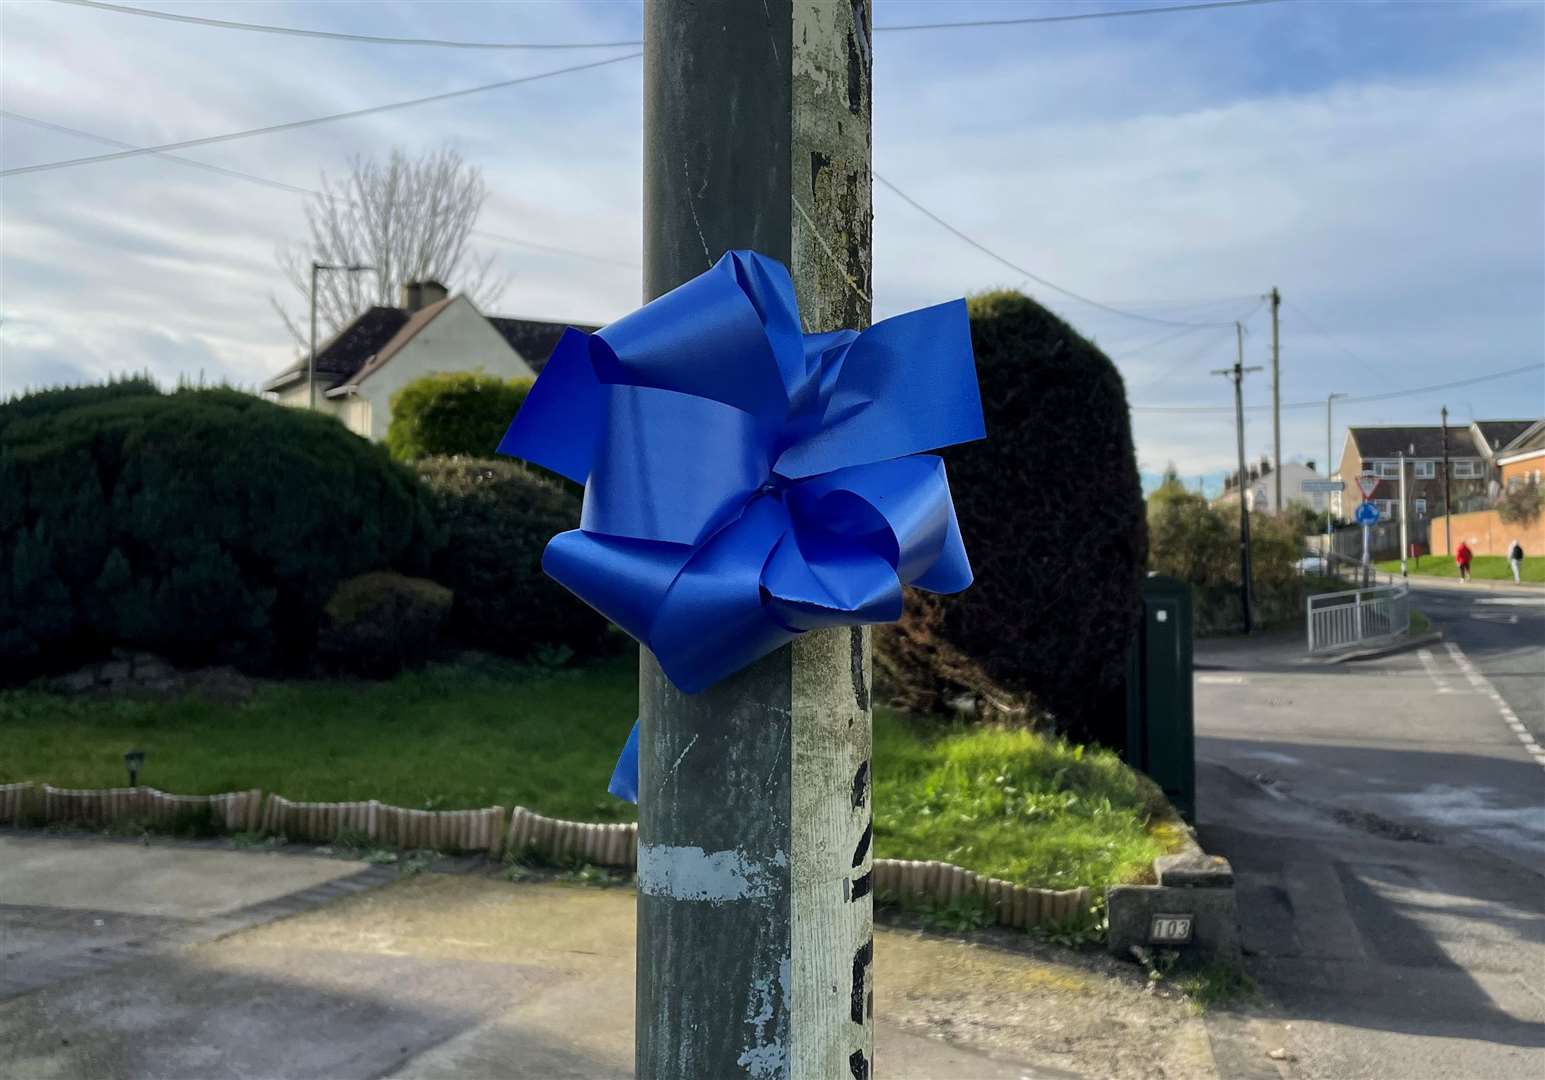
pixel 439 976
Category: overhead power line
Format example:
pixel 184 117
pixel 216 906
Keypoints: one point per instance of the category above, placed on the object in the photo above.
pixel 1119 13
pixel 1313 329
pixel 1358 400
pixel 280 185
pixel 991 254
pixel 445 43
pixel 292 125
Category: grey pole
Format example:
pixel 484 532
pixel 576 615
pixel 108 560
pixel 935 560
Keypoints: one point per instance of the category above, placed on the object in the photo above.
pixel 1448 506
pixel 1276 401
pixel 1329 528
pixel 755 917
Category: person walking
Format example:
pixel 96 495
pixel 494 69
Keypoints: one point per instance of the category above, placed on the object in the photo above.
pixel 1462 557
pixel 1515 559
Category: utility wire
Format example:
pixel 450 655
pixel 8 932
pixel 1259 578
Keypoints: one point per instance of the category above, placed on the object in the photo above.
pixel 1080 16
pixel 990 253
pixel 1302 314
pixel 280 185
pixel 443 43
pixel 292 125
pixel 1359 400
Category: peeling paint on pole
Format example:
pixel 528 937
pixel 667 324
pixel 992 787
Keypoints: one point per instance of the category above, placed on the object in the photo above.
pixel 755 817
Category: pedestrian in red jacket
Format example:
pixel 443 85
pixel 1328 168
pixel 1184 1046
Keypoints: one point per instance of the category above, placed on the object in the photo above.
pixel 1462 557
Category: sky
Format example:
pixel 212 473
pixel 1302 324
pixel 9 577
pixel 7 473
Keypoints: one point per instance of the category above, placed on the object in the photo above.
pixel 1382 164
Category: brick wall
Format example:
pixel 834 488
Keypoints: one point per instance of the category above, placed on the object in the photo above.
pixel 1488 534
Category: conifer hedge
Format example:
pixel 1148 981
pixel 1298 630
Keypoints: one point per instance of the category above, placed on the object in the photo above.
pixel 453 413
pixel 203 525
pixel 1051 508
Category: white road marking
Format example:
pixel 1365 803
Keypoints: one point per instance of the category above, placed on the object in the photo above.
pixel 1480 682
pixel 1425 656
pixel 1514 601
pixel 1221 680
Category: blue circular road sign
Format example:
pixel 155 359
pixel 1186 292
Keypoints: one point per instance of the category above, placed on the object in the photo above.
pixel 1367 514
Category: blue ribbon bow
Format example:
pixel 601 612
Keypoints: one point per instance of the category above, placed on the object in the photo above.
pixel 746 482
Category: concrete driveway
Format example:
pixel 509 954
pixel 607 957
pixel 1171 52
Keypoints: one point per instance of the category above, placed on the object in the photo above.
pixel 125 962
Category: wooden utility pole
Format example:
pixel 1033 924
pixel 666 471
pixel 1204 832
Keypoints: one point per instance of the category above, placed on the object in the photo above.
pixel 1448 506
pixel 1237 373
pixel 755 911
pixel 1276 400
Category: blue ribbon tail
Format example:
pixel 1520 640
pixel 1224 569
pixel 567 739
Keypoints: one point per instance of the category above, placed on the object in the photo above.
pixel 624 783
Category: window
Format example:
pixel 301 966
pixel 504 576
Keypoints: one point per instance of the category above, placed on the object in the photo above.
pixel 1426 470
pixel 1514 483
pixel 1467 470
pixel 1386 509
pixel 1389 469
pixel 1420 508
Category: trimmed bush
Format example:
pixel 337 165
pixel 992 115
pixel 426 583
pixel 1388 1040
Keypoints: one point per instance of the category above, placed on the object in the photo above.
pixel 453 413
pixel 202 525
pixel 1051 508
pixel 379 623
pixel 498 517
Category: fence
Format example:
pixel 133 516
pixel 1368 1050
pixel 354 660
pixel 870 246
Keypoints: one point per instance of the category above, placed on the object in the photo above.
pixel 614 845
pixel 1341 619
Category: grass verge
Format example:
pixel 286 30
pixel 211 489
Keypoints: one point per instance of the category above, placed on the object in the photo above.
pixel 1008 803
pixel 1482 568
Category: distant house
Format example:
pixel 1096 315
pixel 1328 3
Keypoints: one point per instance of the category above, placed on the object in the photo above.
pixel 1522 461
pixel 1380 451
pixel 1262 488
pixel 384 348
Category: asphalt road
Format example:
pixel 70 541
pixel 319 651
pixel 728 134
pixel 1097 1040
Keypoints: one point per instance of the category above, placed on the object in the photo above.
pixel 1386 823
pixel 1502 631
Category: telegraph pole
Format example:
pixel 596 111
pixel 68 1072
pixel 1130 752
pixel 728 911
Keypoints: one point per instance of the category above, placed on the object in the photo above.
pixel 1448 507
pixel 1276 399
pixel 755 911
pixel 1237 373
pixel 1404 546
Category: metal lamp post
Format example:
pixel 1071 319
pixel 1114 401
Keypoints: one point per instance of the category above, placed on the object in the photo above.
pixel 1329 528
pixel 311 367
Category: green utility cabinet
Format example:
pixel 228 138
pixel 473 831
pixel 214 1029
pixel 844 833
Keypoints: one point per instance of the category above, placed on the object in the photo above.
pixel 1161 731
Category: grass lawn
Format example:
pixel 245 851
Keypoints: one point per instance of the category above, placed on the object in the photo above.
pixel 1003 802
pixel 1482 567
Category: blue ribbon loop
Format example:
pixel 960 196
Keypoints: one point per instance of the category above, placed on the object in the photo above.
pixel 745 482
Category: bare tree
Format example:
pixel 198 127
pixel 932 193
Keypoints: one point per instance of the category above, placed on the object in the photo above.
pixel 408 217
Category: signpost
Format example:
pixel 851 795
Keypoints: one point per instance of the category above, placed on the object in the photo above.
pixel 1327 486
pixel 1367 483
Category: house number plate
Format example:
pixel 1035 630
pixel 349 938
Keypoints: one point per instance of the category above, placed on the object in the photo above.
pixel 1171 929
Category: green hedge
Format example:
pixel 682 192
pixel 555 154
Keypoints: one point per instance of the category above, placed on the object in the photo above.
pixel 498 517
pixel 204 525
pixel 379 623
pixel 453 413
pixel 1051 508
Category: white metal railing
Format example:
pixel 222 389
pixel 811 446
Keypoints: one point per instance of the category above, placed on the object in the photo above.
pixel 1341 619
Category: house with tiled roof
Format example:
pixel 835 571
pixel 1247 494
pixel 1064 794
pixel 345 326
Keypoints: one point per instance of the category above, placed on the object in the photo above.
pixel 384 348
pixel 1474 452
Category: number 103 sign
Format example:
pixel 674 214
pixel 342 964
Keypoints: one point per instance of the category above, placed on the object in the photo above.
pixel 1171 929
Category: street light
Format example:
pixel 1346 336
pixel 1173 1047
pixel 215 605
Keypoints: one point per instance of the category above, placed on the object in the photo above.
pixel 134 760
pixel 1328 446
pixel 311 368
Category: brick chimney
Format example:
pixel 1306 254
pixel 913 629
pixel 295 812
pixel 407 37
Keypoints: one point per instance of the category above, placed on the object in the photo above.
pixel 420 294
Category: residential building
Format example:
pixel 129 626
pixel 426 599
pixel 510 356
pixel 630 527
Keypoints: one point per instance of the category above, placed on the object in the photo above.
pixel 1262 488
pixel 384 348
pixel 1381 451
pixel 1522 461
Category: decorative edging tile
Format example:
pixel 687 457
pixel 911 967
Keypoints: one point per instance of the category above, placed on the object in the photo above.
pixel 446 830
pixel 15 802
pixel 1012 905
pixel 234 810
pixel 614 845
